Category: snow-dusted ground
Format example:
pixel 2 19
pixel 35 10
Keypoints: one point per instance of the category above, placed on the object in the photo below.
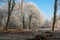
pixel 28 34
pixel 48 29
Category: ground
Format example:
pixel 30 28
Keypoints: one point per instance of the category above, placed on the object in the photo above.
pixel 17 34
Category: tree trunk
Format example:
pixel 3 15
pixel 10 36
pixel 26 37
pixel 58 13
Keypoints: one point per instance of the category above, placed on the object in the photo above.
pixel 9 4
pixel 29 22
pixel 10 9
pixel 30 18
pixel 23 22
pixel 55 10
pixel 22 14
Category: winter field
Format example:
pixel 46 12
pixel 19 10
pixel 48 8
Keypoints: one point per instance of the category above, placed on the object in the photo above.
pixel 27 34
pixel 29 20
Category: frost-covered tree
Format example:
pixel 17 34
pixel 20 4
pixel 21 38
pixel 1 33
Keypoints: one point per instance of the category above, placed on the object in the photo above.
pixel 35 17
pixel 16 18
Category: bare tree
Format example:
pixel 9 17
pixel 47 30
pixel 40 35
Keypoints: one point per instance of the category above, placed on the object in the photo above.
pixel 11 4
pixel 22 14
pixel 30 18
pixel 55 10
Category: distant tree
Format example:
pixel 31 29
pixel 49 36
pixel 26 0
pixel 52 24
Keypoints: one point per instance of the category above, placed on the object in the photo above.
pixel 58 21
pixel 2 2
pixel 55 10
pixel 58 2
pixel 11 4
pixel 46 24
